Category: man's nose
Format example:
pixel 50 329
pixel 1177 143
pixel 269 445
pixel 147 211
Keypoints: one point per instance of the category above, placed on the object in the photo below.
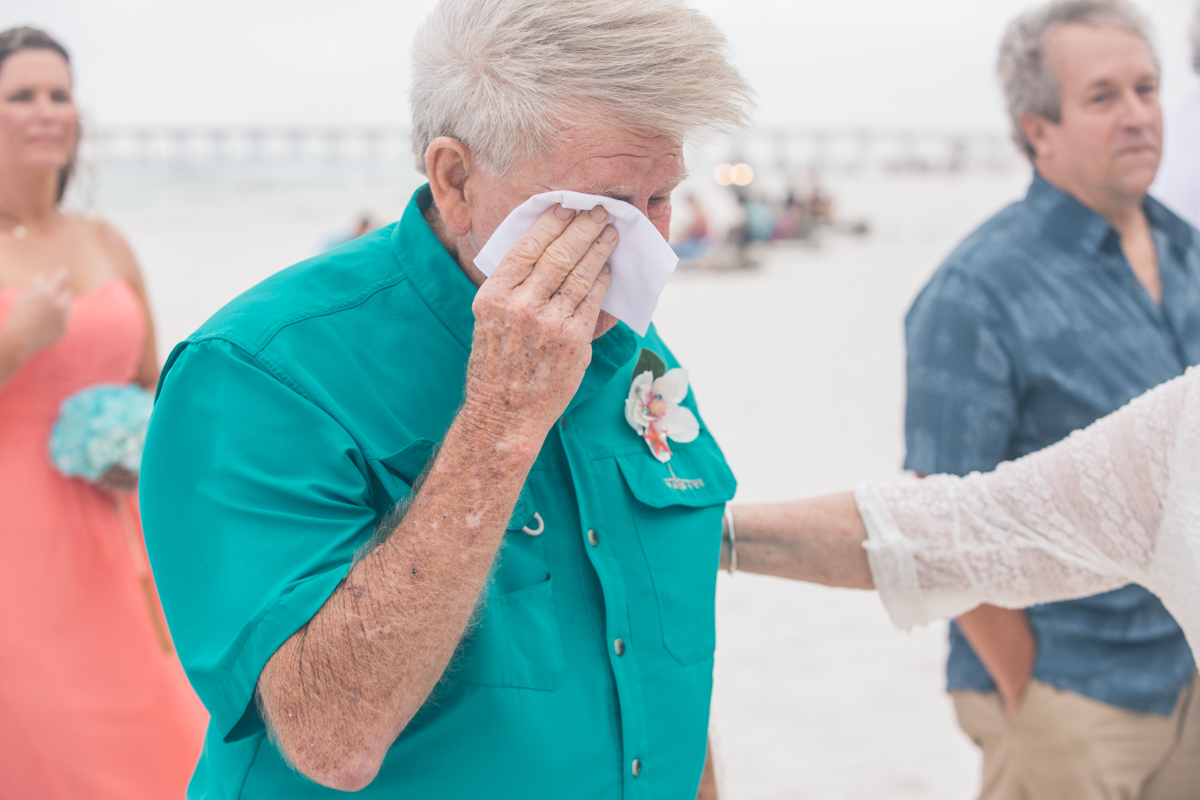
pixel 1137 110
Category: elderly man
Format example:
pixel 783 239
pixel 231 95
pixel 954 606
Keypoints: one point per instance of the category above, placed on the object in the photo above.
pixel 1056 312
pixel 406 540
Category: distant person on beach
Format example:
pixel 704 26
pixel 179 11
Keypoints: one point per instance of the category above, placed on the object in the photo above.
pixel 408 540
pixel 696 238
pixel 1054 313
pixel 1178 181
pixel 93 703
pixel 362 226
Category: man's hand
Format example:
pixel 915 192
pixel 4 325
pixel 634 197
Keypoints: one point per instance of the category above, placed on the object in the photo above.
pixel 340 690
pixel 534 319
pixel 1004 642
pixel 708 779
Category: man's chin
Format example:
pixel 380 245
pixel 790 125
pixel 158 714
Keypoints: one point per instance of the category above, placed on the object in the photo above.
pixel 1135 173
pixel 604 323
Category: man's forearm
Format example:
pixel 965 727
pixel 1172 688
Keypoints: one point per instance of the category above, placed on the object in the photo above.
pixel 817 540
pixel 341 689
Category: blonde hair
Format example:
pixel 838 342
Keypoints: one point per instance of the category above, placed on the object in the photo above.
pixel 505 76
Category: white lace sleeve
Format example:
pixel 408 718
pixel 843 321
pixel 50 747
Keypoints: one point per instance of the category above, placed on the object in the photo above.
pixel 1116 503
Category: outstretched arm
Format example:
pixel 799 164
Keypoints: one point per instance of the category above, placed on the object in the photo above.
pixel 819 540
pixel 1077 518
pixel 1080 517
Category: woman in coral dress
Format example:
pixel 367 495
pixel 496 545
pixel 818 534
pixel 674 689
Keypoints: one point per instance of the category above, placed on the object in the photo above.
pixel 93 702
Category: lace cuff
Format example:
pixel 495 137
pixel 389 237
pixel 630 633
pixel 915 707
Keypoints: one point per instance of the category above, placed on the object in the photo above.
pixel 893 564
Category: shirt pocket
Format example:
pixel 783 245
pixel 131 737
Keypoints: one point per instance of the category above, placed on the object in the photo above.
pixel 515 642
pixel 514 639
pixel 677 511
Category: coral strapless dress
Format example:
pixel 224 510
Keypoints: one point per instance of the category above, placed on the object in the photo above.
pixel 93 702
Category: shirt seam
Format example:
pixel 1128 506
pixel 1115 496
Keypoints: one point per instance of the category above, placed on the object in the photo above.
pixel 253 346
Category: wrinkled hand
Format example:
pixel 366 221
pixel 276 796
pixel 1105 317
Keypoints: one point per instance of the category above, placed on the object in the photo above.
pixel 118 480
pixel 39 315
pixel 534 319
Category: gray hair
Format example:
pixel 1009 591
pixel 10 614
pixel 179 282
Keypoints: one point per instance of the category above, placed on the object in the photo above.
pixel 1029 85
pixel 505 76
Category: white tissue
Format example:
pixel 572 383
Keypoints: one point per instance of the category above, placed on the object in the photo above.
pixel 641 264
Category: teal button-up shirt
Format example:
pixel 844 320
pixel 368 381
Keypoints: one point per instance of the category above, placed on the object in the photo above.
pixel 301 414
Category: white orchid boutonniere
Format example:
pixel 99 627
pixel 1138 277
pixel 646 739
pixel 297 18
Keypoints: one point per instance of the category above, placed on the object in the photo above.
pixel 653 407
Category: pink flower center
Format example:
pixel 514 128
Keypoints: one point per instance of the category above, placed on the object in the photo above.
pixel 657 407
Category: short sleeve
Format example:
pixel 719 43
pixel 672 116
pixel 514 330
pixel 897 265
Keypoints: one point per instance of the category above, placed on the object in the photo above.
pixel 961 405
pixel 254 501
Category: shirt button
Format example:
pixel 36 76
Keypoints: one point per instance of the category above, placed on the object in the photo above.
pixel 637 767
pixel 593 538
pixel 619 647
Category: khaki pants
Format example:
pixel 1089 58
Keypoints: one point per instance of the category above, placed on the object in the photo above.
pixel 1064 746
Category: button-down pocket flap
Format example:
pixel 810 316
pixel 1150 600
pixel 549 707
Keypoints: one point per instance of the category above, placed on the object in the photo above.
pixel 515 642
pixel 695 477
pixel 409 463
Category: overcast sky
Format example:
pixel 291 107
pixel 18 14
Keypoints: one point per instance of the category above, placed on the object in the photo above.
pixel 926 63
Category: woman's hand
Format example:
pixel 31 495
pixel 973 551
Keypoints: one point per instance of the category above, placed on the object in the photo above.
pixel 118 480
pixel 38 317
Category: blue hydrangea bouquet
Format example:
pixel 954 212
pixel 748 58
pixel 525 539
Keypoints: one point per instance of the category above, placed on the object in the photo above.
pixel 101 427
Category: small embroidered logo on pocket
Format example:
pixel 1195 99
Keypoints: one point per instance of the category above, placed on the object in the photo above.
pixel 683 484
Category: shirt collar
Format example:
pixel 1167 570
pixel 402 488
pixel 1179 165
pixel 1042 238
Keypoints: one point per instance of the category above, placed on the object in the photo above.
pixel 432 270
pixel 1073 225
pixel 1181 236
pixel 449 294
pixel 1065 220
pixel 610 353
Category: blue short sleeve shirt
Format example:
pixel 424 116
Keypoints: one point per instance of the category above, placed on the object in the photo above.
pixel 1036 326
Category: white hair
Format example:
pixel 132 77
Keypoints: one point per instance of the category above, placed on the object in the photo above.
pixel 504 77
pixel 1029 85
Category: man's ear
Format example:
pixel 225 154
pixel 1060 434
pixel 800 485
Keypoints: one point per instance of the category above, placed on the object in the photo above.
pixel 1036 131
pixel 448 164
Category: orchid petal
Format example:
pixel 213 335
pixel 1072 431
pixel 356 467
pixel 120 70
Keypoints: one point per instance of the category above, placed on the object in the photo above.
pixel 641 384
pixel 634 414
pixel 681 424
pixel 635 408
pixel 672 386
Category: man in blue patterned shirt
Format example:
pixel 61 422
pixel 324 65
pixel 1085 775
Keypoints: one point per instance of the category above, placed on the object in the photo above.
pixel 1057 311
